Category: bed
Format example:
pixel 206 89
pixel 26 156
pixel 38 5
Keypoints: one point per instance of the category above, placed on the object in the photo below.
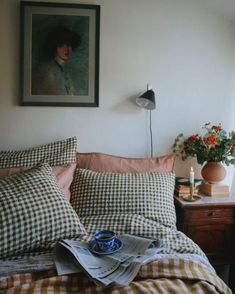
pixel 52 192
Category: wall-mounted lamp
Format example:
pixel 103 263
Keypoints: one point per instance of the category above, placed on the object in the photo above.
pixel 147 101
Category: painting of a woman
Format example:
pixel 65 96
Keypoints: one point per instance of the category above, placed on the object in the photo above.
pixel 51 76
pixel 59 54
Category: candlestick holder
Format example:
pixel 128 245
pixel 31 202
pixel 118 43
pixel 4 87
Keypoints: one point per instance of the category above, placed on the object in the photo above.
pixel 191 197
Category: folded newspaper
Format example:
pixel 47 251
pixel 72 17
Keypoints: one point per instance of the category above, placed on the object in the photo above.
pixel 121 267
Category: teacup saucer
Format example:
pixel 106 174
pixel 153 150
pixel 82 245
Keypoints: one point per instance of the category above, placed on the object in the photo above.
pixel 95 249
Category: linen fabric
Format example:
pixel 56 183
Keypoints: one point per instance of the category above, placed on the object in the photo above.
pixel 102 162
pixel 173 240
pixel 61 155
pixel 34 214
pixel 63 174
pixel 147 194
pixel 56 153
pixel 167 274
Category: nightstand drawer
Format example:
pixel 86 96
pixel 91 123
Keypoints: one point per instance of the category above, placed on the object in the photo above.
pixel 214 240
pixel 210 214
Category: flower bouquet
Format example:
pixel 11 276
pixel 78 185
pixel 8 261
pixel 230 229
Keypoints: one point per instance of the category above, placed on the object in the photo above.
pixel 214 145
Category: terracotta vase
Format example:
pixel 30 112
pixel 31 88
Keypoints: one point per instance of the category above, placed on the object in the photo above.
pixel 213 172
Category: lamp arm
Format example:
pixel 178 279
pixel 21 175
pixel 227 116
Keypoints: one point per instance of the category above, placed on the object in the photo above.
pixel 151 133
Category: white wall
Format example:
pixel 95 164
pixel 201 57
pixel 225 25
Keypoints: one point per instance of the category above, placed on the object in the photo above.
pixel 183 49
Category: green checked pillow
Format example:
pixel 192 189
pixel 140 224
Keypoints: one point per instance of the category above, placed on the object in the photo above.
pixel 34 214
pixel 148 194
pixel 61 155
pixel 176 241
pixel 56 153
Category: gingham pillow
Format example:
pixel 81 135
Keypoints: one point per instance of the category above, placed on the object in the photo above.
pixel 174 241
pixel 61 155
pixel 56 153
pixel 148 194
pixel 34 215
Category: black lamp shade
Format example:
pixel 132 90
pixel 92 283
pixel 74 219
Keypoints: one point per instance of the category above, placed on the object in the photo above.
pixel 147 100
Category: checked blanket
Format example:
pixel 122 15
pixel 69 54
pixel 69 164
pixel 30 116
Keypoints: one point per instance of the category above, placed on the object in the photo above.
pixel 169 275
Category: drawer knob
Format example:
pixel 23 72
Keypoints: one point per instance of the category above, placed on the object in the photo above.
pixel 210 213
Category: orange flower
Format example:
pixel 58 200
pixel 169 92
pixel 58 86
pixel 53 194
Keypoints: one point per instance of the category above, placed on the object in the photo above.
pixel 211 140
pixel 217 128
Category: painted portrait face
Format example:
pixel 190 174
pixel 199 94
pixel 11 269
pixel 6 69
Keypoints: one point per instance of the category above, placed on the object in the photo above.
pixel 64 52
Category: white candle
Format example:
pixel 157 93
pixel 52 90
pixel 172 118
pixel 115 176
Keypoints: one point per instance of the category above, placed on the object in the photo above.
pixel 191 178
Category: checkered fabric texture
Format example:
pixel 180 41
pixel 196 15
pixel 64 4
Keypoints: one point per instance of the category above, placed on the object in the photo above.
pixel 34 214
pixel 147 194
pixel 57 153
pixel 174 241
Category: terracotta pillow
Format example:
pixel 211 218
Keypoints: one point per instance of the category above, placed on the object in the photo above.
pixel 101 162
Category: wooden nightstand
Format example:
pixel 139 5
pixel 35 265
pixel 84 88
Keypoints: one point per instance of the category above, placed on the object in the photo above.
pixel 210 222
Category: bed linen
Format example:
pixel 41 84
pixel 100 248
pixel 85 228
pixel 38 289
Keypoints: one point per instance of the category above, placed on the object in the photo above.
pixel 181 266
pixel 60 155
pixel 167 275
pixel 102 162
pixel 34 213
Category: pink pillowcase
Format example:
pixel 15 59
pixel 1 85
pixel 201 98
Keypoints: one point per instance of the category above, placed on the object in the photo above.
pixel 63 174
pixel 101 162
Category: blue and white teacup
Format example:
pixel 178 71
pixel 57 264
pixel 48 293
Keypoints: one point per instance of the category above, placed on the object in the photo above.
pixel 105 240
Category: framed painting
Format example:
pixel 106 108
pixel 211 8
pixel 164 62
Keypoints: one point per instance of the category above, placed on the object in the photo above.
pixel 59 54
